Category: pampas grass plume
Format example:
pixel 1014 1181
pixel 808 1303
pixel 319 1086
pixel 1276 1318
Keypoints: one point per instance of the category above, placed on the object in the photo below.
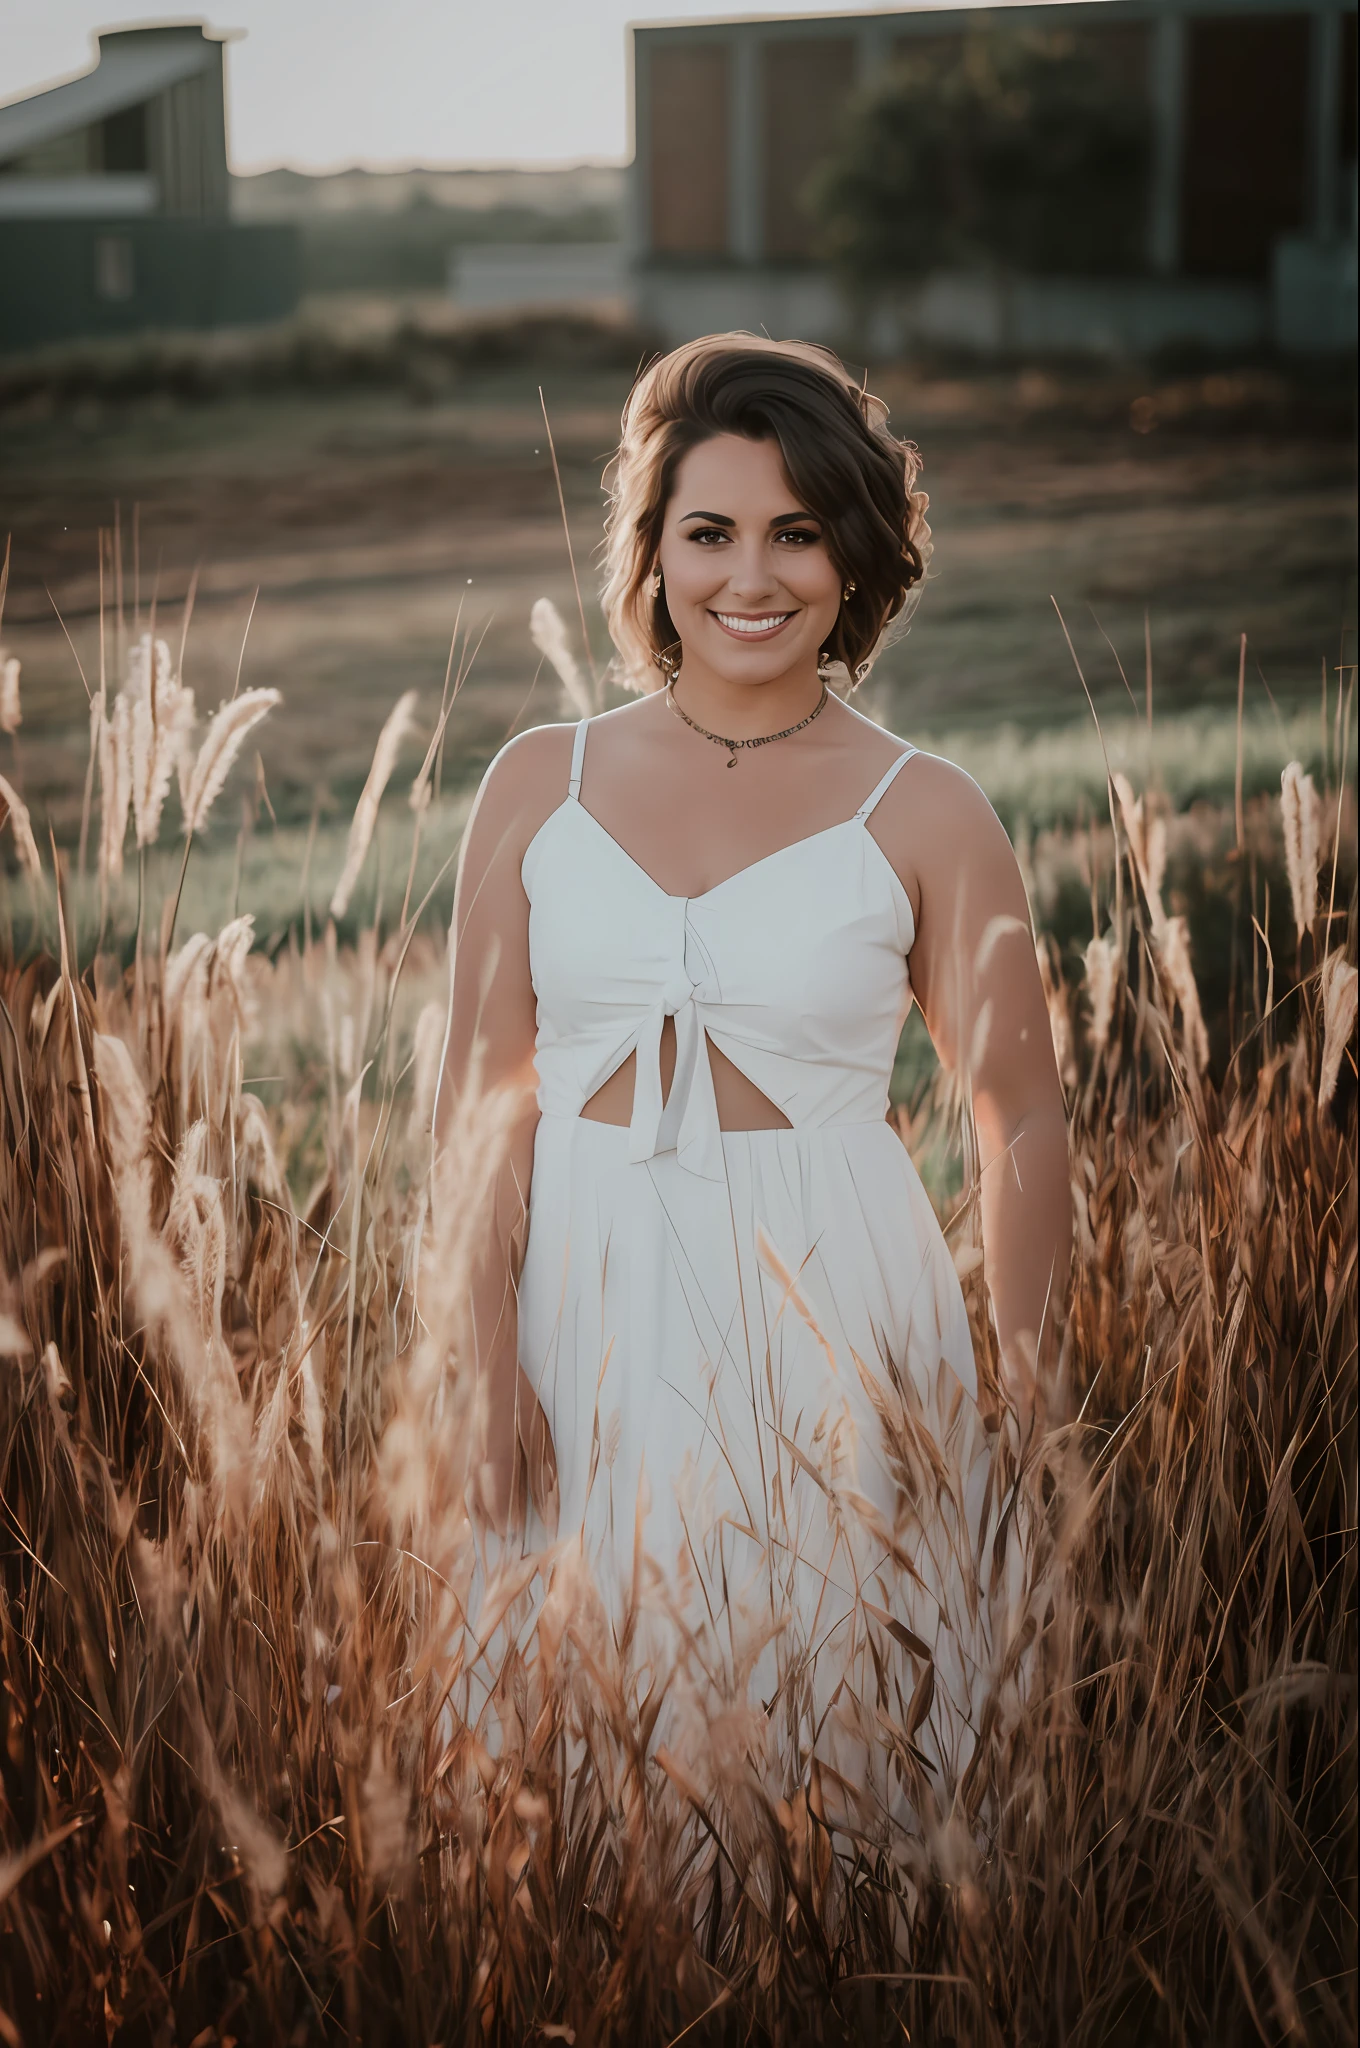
pixel 14 1340
pixel 10 716
pixel 227 734
pixel 1147 844
pixel 1338 1013
pixel 21 826
pixel 115 788
pixel 162 717
pixel 1101 961
pixel 427 1053
pixel 1172 940
pixel 1302 842
pixel 549 635
pixel 400 722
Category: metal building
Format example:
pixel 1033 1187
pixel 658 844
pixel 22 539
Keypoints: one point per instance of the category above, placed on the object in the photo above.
pixel 114 200
pixel 1250 203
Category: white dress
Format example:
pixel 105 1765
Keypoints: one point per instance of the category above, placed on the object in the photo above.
pixel 751 1346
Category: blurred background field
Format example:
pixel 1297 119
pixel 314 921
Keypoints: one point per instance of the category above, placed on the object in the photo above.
pixel 382 471
pixel 351 494
pixel 363 496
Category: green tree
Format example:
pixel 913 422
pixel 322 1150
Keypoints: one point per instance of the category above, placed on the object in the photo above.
pixel 1011 150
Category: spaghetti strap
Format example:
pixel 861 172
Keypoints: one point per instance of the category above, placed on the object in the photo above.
pixel 869 802
pixel 578 755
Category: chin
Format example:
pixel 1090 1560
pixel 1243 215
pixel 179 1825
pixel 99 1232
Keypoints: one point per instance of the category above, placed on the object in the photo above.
pixel 757 664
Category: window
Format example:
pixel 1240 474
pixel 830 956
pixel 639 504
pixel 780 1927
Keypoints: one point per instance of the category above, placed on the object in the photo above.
pixel 807 81
pixel 113 270
pixel 689 149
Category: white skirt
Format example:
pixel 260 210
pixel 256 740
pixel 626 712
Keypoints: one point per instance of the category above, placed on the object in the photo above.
pixel 772 1468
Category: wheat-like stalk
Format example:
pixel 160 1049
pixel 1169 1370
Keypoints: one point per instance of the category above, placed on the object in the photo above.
pixel 115 787
pixel 1338 1010
pixel 25 845
pixel 427 1053
pixel 1147 844
pixel 230 727
pixel 1147 839
pixel 11 718
pixel 1302 814
pixel 1172 941
pixel 549 635
pixel 400 722
pixel 162 717
pixel 1101 960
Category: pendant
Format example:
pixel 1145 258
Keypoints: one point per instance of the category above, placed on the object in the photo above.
pixel 732 758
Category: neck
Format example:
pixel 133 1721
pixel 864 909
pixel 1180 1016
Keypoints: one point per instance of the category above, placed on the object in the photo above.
pixel 745 711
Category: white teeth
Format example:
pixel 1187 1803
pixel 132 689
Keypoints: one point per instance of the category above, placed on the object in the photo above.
pixel 739 625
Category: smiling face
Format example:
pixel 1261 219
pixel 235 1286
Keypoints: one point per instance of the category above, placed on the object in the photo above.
pixel 750 586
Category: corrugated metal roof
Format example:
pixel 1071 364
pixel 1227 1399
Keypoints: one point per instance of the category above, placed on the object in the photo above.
pixel 134 64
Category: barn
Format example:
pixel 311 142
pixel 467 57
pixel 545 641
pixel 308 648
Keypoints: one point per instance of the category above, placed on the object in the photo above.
pixel 114 212
pixel 1249 211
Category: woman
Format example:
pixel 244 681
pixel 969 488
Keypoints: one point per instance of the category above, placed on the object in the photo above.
pixel 687 933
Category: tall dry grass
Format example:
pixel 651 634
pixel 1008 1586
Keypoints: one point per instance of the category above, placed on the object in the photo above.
pixel 258 1784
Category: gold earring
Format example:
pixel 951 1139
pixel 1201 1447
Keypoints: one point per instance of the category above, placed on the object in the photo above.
pixel 848 593
pixel 656 584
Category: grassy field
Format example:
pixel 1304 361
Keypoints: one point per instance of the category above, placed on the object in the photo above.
pixel 273 1772
pixel 261 1778
pixel 369 519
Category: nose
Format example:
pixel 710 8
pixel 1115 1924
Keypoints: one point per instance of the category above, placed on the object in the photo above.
pixel 751 575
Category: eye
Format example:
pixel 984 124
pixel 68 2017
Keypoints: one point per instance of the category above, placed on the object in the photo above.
pixel 800 536
pixel 705 534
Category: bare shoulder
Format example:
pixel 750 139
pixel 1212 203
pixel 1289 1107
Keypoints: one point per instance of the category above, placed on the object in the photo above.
pixel 942 793
pixel 935 796
pixel 522 788
pixel 935 822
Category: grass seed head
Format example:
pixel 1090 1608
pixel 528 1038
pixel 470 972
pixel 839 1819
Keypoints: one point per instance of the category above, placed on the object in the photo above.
pixel 548 632
pixel 20 824
pixel 1102 964
pixel 1339 1007
pixel 11 718
pixel 1302 813
pixel 115 787
pixel 161 717
pixel 397 727
pixel 227 733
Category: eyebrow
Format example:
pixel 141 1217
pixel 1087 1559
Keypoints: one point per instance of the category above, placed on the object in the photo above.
pixel 721 518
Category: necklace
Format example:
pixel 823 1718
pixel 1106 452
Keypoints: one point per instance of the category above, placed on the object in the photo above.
pixel 734 747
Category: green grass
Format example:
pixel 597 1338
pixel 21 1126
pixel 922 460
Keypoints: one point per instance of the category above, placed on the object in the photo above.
pixel 1051 780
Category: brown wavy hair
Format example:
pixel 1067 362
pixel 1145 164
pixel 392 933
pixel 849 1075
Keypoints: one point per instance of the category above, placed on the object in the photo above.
pixel 842 460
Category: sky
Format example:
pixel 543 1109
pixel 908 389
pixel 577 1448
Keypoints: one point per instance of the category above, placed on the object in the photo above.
pixel 319 84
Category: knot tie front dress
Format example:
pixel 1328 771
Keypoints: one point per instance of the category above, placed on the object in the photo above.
pixel 751 1346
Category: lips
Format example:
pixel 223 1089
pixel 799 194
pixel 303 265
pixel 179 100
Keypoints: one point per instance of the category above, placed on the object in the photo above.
pixel 761 627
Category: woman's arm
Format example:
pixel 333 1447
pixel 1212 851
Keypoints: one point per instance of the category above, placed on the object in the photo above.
pixel 487 1097
pixel 975 975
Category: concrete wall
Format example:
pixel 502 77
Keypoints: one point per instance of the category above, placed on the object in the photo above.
pixel 678 304
pixel 982 315
pixel 117 193
pixel 102 277
pixel 500 276
pixel 1314 297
